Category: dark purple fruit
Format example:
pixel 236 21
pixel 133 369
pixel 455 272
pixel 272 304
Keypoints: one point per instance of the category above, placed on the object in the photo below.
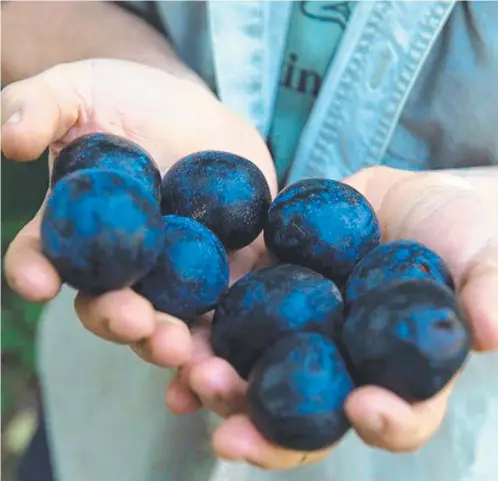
pixel 396 260
pixel 264 305
pixel 102 230
pixel 297 392
pixel 110 152
pixel 191 273
pixel 325 225
pixel 225 192
pixel 409 337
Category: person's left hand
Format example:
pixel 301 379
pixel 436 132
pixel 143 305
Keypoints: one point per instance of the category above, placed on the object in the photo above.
pixel 440 210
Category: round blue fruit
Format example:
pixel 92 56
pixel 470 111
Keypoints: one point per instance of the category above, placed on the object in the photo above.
pixel 409 337
pixel 102 230
pixel 325 225
pixel 266 304
pixel 191 273
pixel 297 392
pixel 225 192
pixel 107 151
pixel 396 260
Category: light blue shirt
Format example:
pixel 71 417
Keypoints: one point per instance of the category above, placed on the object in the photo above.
pixel 315 32
pixel 405 82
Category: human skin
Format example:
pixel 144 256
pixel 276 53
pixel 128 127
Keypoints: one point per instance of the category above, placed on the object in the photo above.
pixel 73 85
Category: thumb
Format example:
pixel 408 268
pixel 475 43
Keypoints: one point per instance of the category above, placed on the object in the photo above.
pixel 38 111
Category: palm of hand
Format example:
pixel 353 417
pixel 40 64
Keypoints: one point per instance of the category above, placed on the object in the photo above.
pixel 442 211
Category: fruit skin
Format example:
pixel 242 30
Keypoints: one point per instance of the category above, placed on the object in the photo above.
pixel 191 273
pixel 297 391
pixel 396 260
pixel 102 230
pixel 223 191
pixel 409 337
pixel 322 224
pixel 266 304
pixel 107 151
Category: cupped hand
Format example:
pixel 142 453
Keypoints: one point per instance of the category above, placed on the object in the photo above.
pixel 444 212
pixel 168 116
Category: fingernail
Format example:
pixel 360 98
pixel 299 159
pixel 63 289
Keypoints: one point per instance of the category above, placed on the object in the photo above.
pixel 257 464
pixel 15 118
pixel 142 349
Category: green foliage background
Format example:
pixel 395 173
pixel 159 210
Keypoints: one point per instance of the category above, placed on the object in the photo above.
pixel 23 188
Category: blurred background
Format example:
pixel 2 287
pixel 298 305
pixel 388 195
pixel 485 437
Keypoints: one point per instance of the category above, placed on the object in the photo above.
pixel 23 186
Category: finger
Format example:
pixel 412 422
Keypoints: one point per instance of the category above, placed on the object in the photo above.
pixel 40 110
pixel 219 387
pixel 201 345
pixel 28 272
pixel 384 420
pixel 119 316
pixel 169 346
pixel 478 295
pixel 237 439
pixel 200 350
pixel 180 399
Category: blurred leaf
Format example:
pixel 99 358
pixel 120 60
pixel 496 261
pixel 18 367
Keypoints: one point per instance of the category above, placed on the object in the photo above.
pixel 7 396
pixel 33 313
pixel 23 187
pixel 10 228
pixel 11 339
pixel 20 430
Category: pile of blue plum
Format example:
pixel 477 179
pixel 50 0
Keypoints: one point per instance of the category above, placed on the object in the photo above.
pixel 334 310
pixel 112 222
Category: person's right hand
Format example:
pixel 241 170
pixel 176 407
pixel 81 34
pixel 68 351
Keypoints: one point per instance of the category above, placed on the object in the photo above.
pixel 170 118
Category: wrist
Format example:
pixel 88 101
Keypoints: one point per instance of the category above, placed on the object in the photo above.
pixel 39 35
